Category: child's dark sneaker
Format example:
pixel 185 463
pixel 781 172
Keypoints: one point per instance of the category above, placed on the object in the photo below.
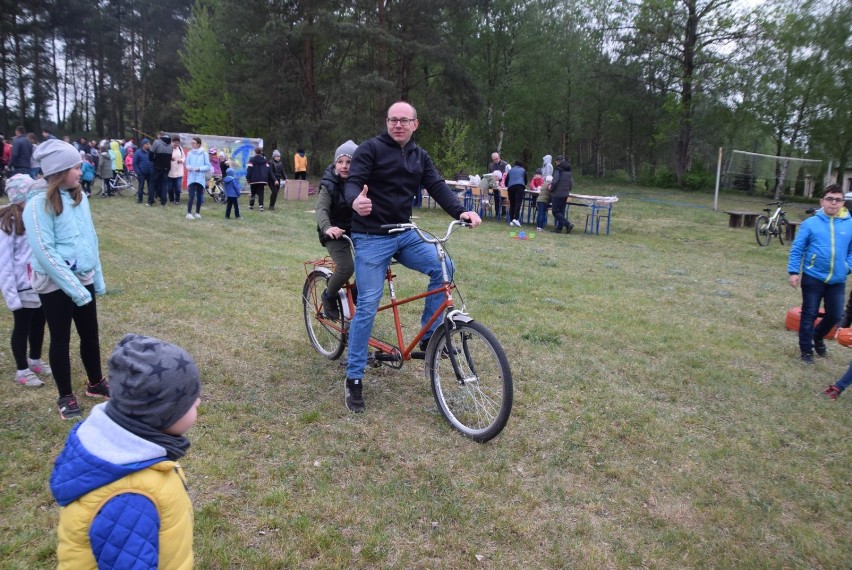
pixel 819 347
pixel 329 306
pixel 99 390
pixel 832 392
pixel 68 408
pixel 352 395
pixel 807 358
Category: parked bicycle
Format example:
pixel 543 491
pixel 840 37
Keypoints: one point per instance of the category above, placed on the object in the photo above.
pixel 216 190
pixel 776 225
pixel 466 365
pixel 119 182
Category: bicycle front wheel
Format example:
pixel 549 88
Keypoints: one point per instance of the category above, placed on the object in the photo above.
pixel 762 231
pixel 478 401
pixel 327 336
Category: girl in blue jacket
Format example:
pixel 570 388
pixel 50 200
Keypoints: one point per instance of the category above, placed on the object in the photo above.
pixel 66 269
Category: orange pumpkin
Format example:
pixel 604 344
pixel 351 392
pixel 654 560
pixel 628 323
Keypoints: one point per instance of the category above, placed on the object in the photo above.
pixel 794 317
pixel 844 337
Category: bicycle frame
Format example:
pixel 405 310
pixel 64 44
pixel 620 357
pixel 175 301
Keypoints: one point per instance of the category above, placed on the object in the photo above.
pixel 403 350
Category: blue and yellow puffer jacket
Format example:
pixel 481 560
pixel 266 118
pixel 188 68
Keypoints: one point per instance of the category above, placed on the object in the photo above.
pixel 133 514
pixel 823 248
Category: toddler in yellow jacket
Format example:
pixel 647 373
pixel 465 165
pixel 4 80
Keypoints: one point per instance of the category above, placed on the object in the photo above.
pixel 122 495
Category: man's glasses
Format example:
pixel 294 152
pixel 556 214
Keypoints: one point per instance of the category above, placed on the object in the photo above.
pixel 405 121
pixel 833 200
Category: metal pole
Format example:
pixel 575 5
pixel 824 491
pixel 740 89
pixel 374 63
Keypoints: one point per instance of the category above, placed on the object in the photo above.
pixel 718 175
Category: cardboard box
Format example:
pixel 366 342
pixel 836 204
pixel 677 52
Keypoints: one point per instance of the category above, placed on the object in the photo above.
pixel 296 190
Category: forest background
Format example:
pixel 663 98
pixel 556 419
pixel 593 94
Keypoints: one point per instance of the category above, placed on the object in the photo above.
pixel 643 91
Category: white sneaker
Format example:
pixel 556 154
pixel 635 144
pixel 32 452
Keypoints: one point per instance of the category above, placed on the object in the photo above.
pixel 516 223
pixel 190 217
pixel 27 378
pixel 197 216
pixel 39 366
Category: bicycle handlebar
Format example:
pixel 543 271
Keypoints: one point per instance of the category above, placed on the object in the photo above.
pixel 396 228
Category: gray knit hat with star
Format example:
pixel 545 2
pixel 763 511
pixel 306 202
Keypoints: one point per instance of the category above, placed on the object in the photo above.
pixel 152 381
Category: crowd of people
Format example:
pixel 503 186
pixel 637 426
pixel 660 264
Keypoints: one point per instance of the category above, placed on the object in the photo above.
pixel 159 168
pixel 550 187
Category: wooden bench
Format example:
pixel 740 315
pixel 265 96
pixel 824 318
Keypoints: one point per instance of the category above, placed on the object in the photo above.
pixel 742 219
pixel 792 228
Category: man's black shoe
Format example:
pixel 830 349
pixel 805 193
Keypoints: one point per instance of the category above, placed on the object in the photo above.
pixel 570 227
pixel 819 346
pixel 807 358
pixel 352 395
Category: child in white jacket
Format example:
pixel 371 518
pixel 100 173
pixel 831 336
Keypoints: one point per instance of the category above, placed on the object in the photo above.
pixel 20 297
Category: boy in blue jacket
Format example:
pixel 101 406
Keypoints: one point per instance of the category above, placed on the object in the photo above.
pixel 822 252
pixel 232 193
pixel 123 497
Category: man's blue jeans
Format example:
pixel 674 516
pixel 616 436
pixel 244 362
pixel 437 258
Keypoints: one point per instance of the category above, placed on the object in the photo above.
pixel 373 254
pixel 813 292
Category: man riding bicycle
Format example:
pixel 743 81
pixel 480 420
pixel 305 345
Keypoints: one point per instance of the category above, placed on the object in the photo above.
pixel 386 173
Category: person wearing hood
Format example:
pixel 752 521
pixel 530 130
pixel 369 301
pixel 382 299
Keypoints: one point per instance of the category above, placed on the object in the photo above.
pixel 278 176
pixel 546 166
pixel 822 253
pixel 122 495
pixel 116 155
pixel 560 188
pixel 104 171
pixel 197 167
pixel 21 298
pixel 258 175
pixel 300 164
pixel 161 162
pixel 142 167
pixel 232 193
pixel 66 269
pixel 334 219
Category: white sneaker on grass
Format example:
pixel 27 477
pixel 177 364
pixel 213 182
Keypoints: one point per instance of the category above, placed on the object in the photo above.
pixel 190 216
pixel 197 216
pixel 39 366
pixel 27 378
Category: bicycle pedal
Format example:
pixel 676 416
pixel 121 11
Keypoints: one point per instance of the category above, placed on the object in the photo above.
pixel 418 355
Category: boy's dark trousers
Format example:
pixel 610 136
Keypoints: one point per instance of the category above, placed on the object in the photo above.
pixel 236 204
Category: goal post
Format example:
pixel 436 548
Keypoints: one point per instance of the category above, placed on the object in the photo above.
pixel 752 171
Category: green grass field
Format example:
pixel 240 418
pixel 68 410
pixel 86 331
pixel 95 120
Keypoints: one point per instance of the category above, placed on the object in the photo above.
pixel 661 416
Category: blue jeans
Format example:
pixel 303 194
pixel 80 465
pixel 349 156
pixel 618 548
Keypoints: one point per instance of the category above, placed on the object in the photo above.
pixel 373 254
pixel 815 291
pixel 195 191
pixel 174 185
pixel 142 179
pixel 541 214
pixel 844 382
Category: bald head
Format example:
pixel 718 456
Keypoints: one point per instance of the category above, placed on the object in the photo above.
pixel 401 122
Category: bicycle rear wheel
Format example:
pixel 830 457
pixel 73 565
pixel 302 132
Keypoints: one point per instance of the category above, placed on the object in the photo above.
pixel 327 336
pixel 479 403
pixel 219 193
pixel 782 230
pixel 762 231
